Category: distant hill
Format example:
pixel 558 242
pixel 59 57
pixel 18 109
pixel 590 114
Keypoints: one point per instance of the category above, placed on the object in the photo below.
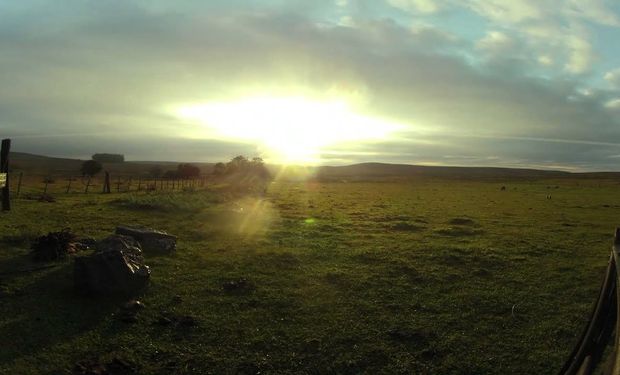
pixel 378 170
pixel 38 164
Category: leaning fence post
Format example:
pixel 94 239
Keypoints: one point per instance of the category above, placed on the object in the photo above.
pixel 69 185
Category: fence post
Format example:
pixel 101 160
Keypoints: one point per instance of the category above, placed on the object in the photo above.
pixel 19 184
pixel 69 185
pixel 139 183
pixel 118 184
pixel 87 185
pixel 106 183
pixel 129 184
pixel 4 168
pixel 46 181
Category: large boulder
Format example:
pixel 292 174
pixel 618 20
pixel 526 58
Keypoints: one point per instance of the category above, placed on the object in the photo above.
pixel 116 267
pixel 151 240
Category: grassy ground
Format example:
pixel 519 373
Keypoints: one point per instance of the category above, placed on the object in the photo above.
pixel 381 277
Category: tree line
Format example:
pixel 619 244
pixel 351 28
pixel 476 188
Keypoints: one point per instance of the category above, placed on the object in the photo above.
pixel 237 165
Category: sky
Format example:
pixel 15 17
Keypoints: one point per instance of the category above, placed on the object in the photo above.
pixel 511 83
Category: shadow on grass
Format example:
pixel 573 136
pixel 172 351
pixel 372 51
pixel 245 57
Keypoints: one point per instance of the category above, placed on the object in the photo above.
pixel 47 312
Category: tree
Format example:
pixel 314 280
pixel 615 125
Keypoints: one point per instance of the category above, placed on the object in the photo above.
pixel 91 168
pixel 236 164
pixel 219 168
pixel 187 170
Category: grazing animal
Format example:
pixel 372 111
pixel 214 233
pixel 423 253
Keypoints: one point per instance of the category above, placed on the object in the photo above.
pixel 548 196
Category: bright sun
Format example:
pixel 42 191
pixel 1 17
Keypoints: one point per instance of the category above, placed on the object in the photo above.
pixel 290 129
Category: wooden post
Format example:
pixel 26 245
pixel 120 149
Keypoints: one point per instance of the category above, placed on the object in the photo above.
pixel 69 185
pixel 4 172
pixel 118 184
pixel 87 185
pixel 106 183
pixel 139 183
pixel 129 184
pixel 46 181
pixel 19 184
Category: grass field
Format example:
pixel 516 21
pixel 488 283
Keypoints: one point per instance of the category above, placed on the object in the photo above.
pixel 429 276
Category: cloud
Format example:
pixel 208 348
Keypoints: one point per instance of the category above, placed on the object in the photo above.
pixel 421 6
pixel 613 78
pixel 496 43
pixel 559 31
pixel 613 104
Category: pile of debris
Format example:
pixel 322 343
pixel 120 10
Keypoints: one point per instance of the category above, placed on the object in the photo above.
pixel 54 246
pixel 152 240
pixel 116 266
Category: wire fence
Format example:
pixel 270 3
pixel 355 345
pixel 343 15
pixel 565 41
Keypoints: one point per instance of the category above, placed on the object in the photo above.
pixel 23 184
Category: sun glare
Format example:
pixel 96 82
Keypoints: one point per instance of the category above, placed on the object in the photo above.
pixel 289 129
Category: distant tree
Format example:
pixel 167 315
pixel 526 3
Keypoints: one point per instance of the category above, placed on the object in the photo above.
pixel 187 170
pixel 219 168
pixel 156 171
pixel 236 164
pixel 241 164
pixel 91 168
pixel 109 158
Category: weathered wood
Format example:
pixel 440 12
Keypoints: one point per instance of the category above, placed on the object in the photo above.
pixel 586 357
pixel 19 184
pixel 69 185
pixel 87 185
pixel 4 168
pixel 106 183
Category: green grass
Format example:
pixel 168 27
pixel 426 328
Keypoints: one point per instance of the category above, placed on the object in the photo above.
pixel 382 277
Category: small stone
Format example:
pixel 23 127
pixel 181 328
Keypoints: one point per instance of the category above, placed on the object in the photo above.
pixel 163 321
pixel 237 285
pixel 187 321
pixel 133 305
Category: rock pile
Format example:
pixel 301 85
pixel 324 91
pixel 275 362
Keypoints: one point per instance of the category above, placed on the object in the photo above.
pixel 151 240
pixel 116 267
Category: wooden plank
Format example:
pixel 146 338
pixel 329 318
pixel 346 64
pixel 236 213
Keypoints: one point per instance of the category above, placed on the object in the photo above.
pixel 586 357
